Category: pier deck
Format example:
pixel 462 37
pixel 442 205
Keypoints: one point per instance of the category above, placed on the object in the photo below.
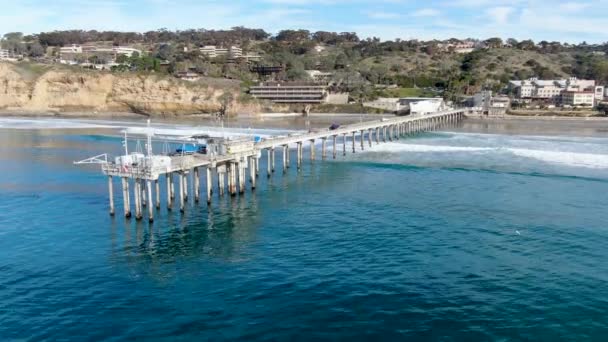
pixel 230 166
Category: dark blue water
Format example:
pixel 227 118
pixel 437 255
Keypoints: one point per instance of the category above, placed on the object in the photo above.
pixel 447 236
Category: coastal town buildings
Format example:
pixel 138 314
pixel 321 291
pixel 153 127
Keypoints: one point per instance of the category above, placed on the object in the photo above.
pixel 571 91
pixel 79 54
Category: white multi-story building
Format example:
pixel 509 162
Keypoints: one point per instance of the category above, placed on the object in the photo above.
pixel 552 90
pixel 578 98
pixel 4 54
pixel 213 51
pixel 70 49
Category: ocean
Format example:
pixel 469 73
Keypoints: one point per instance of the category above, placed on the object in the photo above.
pixel 460 234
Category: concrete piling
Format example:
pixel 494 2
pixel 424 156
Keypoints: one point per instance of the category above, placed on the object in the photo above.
pixel 138 214
pixel 335 138
pixel 150 207
pixel 168 177
pixel 126 201
pixel 369 137
pixel 323 148
pixel 197 185
pixel 344 144
pixel 221 179
pixel 182 192
pixel 285 158
pixel 252 177
pixel 209 184
pixel 272 155
pixel 185 180
pixel 111 195
pixel 354 141
pixel 142 188
pixel 312 149
pixel 299 155
pixel 268 163
pixel 157 190
pixel 362 140
pixel 241 169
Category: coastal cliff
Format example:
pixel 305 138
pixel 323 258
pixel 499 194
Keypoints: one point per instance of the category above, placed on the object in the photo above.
pixel 41 89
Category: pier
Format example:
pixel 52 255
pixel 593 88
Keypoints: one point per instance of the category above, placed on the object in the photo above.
pixel 229 162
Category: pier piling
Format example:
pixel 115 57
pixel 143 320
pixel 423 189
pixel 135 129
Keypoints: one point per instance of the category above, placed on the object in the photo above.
pixel 335 138
pixel 182 192
pixel 150 207
pixel 111 195
pixel 126 201
pixel 209 185
pixel 197 185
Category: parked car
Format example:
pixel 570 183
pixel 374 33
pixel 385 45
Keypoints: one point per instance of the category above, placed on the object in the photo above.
pixel 186 149
pixel 202 149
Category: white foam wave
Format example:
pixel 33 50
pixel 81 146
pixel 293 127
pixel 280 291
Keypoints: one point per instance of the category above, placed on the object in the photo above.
pixel 397 147
pixel 587 160
pixel 13 123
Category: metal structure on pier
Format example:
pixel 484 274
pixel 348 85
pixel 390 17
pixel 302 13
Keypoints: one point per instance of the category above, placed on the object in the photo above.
pixel 231 161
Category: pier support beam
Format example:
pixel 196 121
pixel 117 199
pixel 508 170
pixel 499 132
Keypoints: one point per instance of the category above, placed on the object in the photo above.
pixel 312 149
pixel 257 166
pixel 390 132
pixel 285 158
pixel 232 179
pixel 126 200
pixel 137 196
pixel 269 162
pixel 221 179
pixel 142 188
pixel 209 184
pixel 185 181
pixel 369 136
pixel 252 171
pixel 362 140
pixel 182 192
pixel 197 185
pixel 335 138
pixel 111 195
pixel 354 142
pixel 150 207
pixel 157 190
pixel 384 134
pixel 377 135
pixel 241 169
pixel 169 178
pixel 323 148
pixel 272 156
pixel 344 144
pixel 299 155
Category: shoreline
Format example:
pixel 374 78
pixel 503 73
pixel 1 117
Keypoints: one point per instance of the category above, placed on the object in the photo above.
pixel 547 126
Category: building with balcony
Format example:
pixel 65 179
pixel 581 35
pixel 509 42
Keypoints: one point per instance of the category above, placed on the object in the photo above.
pixel 578 98
pixel 290 92
pixel 213 51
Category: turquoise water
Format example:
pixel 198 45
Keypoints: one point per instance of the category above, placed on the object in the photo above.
pixel 448 236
